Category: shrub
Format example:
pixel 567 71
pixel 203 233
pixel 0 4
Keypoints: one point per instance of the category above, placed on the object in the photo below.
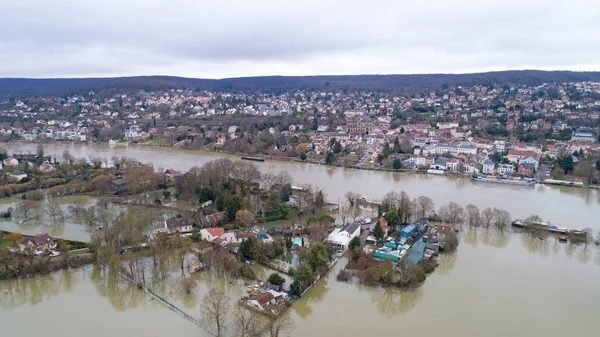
pixel 427 265
pixel 344 276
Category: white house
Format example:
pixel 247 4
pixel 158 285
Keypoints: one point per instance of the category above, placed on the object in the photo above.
pixel 500 145
pixel 210 234
pixel 488 167
pixel 10 161
pixel 340 237
pixel 38 243
pixel 506 169
pixel 19 175
pixel 180 225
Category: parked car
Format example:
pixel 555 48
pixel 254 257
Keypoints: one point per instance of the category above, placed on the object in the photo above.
pixel 54 254
pixel 38 253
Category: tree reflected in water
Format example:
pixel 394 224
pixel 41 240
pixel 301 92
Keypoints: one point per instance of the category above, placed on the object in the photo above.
pixel 15 293
pixel 392 301
pixel 494 237
pixel 471 237
pixel 535 244
pixel 122 294
pixel 446 264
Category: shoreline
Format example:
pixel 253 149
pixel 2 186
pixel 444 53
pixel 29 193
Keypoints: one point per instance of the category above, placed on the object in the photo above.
pixel 562 183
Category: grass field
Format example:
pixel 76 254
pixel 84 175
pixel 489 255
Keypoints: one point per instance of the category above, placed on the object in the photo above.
pixel 6 243
pixel 159 142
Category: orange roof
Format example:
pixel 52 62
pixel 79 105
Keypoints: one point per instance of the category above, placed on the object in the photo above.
pixel 217 231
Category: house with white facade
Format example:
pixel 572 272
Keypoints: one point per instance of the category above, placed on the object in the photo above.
pixel 489 167
pixel 506 169
pixel 340 237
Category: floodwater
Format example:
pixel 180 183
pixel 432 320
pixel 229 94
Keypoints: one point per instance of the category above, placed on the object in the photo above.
pixel 496 284
pixel 562 206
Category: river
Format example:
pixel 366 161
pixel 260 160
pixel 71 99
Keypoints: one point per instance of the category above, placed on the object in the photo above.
pixel 496 284
pixel 563 206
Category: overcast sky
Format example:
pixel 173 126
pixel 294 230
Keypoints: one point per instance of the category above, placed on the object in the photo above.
pixel 233 38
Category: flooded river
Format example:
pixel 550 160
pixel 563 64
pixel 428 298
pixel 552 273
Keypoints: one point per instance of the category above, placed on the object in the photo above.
pixel 563 206
pixel 496 284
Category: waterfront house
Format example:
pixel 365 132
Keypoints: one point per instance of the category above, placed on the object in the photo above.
pixel 489 167
pixel 261 300
pixel 526 169
pixel 506 169
pixel 340 237
pixel 38 243
pixel 210 234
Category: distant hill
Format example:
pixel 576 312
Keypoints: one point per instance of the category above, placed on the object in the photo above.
pixel 19 87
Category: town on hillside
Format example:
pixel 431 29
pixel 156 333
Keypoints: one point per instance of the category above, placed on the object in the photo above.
pixel 546 132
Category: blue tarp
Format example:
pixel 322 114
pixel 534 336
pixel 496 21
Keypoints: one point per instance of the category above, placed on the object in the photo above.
pixel 406 231
pixel 416 254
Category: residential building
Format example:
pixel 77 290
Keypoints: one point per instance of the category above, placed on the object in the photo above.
pixel 340 237
pixel 489 167
pixel 210 234
pixel 505 169
pixel 261 299
pixel 38 243
pixel 526 169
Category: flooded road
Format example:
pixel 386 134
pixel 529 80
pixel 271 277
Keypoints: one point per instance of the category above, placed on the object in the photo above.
pixel 562 206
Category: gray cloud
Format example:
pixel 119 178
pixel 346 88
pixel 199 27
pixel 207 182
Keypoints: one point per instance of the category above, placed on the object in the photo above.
pixel 223 38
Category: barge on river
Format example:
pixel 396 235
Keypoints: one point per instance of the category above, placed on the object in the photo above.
pixel 253 158
pixel 508 181
pixel 549 228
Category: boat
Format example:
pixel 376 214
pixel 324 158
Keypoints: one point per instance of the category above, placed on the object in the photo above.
pixel 253 158
pixel 518 223
pixel 508 181
pixel 562 239
pixel 24 220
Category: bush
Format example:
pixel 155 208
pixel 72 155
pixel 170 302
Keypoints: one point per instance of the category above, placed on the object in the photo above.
pixel 276 280
pixel 344 276
pixel 427 265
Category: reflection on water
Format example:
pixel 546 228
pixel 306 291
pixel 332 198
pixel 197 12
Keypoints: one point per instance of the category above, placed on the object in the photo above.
pixel 536 245
pixel 494 238
pixel 391 301
pixel 15 293
pixel 446 262
pixel 121 293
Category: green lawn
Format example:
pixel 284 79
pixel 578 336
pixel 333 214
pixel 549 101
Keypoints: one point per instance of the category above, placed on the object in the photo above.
pixel 6 243
pixel 285 222
pixel 159 142
pixel 123 141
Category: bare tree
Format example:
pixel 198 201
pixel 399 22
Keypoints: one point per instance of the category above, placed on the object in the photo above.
pixel 355 212
pixel 278 324
pixel 487 216
pixel 390 201
pixel 55 212
pixel 188 284
pixel 452 213
pixel 473 215
pixel 28 208
pixel 343 210
pixel 215 307
pixel 405 208
pixel 424 207
pixel 501 218
pixel 352 198
pixel 245 321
